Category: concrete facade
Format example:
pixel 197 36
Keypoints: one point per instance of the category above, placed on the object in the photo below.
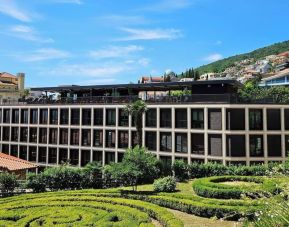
pixel 218 136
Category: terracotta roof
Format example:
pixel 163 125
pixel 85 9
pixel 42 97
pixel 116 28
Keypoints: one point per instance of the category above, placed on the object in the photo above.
pixel 12 163
pixel 7 75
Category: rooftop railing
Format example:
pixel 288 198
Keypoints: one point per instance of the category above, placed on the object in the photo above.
pixel 195 98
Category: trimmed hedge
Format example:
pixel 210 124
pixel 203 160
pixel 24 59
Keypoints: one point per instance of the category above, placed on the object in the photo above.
pixel 85 209
pixel 212 187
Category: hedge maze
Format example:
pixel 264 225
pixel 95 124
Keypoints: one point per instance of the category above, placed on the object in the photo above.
pixel 210 197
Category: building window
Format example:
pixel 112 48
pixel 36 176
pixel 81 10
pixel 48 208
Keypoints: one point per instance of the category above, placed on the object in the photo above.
pixel 14 134
pixel 215 145
pixel 97 138
pixel 86 137
pixel 236 146
pixel 287 144
pixel 151 117
pixel 53 135
pixel 42 135
pixel 85 157
pixel 33 116
pixel 24 116
pixel 42 154
pixel 122 118
pixel 256 119
pixel 197 116
pixel 75 115
pixel 63 136
pixel 197 143
pixel 166 141
pixel 134 140
pixel 109 157
pixel 97 156
pixel 110 138
pixel 6 116
pixel 181 118
pixel 15 116
pixel 62 155
pixel 98 117
pixel 181 141
pixel 86 116
pixel 74 157
pixel 256 146
pixel 273 119
pixel 14 150
pixel 52 155
pixel 22 152
pixel 274 146
pixel 120 156
pixel 110 117
pixel 151 141
pixel 23 134
pixel 43 116
pixel 166 118
pixel 235 119
pixel 1 116
pixel 32 154
pixel 54 116
pixel 122 139
pixel 74 137
pixel 215 119
pixel 64 116
pixel 33 135
pixel 286 120
pixel 5 148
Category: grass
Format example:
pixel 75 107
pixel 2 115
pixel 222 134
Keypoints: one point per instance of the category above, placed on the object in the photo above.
pixel 123 207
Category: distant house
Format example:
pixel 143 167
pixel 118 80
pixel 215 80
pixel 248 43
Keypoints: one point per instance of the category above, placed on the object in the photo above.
pixel 209 76
pixel 150 79
pixel 281 78
pixel 11 87
pixel 15 165
pixel 263 66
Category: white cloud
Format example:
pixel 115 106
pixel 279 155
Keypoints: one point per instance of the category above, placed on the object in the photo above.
pixel 68 1
pixel 144 61
pixel 123 20
pixel 27 33
pixel 43 54
pixel 169 5
pixel 150 34
pixel 116 51
pixel 213 57
pixel 88 70
pixel 10 8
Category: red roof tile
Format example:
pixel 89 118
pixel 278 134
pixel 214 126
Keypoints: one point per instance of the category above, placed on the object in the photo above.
pixel 12 163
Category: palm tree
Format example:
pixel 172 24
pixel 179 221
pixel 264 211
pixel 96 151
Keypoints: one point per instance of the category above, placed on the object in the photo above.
pixel 136 110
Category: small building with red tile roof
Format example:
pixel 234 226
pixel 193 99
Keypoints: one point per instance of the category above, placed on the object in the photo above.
pixel 15 165
pixel 11 87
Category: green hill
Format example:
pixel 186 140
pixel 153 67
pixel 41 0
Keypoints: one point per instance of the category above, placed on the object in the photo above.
pixel 221 65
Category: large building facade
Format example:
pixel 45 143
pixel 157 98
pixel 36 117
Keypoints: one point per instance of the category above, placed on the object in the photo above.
pixel 184 128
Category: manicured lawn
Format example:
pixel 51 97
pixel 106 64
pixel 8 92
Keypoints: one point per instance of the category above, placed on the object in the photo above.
pixel 123 207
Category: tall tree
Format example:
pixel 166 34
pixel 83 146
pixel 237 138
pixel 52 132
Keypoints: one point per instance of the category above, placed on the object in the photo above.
pixel 197 75
pixel 136 110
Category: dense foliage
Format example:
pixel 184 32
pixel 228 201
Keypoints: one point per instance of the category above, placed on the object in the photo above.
pixel 165 184
pixel 66 177
pixel 138 166
pixel 181 170
pixel 221 65
pixel 8 182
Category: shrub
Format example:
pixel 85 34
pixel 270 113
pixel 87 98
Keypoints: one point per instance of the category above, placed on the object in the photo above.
pixel 181 170
pixel 198 170
pixel 166 184
pixel 8 183
pixel 36 182
pixel 92 175
pixel 211 187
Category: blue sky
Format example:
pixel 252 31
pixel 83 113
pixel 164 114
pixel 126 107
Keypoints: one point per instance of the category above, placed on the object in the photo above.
pixel 62 42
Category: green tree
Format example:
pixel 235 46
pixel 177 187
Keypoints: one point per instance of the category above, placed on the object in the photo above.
pixel 138 166
pixel 136 110
pixel 8 182
pixel 196 75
